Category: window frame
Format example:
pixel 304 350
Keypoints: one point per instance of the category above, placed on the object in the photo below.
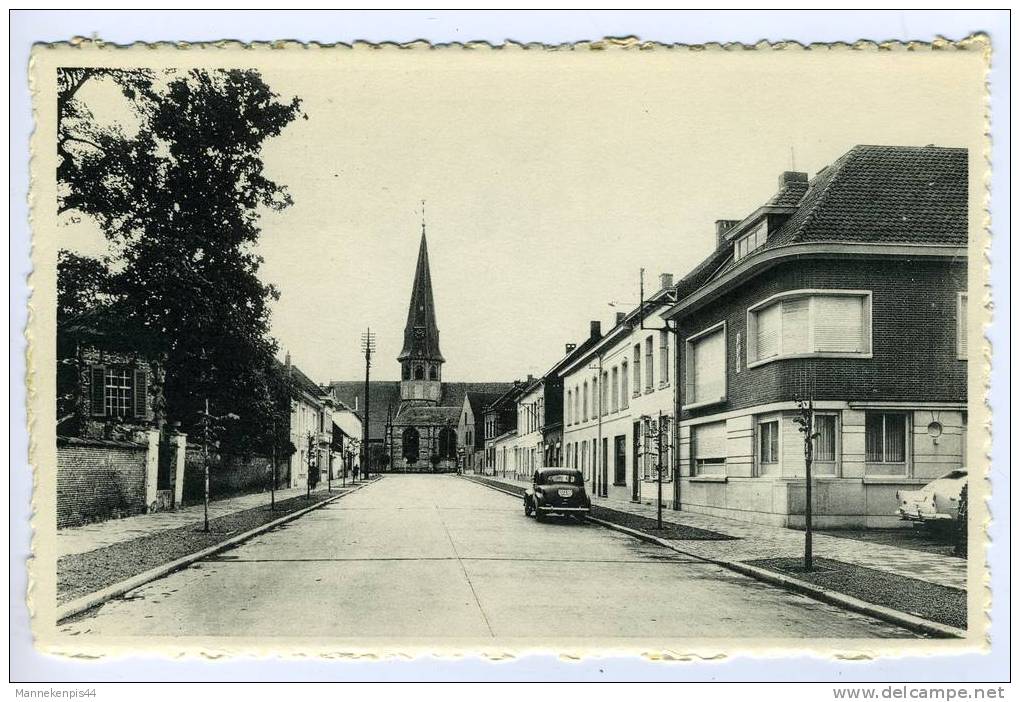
pixel 636 369
pixel 962 338
pixel 689 366
pixel 776 462
pixel 664 357
pixel 624 385
pixel 649 379
pixel 867 321
pixel 837 443
pixel 874 468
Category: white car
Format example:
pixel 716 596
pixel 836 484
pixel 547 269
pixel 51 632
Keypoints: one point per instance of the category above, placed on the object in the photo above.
pixel 937 501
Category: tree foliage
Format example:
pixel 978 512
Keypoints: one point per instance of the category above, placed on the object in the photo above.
pixel 176 183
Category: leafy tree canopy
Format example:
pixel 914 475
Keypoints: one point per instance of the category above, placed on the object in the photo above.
pixel 174 177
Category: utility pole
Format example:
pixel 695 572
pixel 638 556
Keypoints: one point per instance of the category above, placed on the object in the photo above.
pixel 368 346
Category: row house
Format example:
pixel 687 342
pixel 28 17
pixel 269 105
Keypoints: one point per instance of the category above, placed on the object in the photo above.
pixel 850 290
pixel 615 392
pixel 471 430
pixel 311 428
pixel 500 423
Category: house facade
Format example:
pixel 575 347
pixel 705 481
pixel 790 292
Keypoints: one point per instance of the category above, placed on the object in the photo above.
pixel 500 422
pixel 848 290
pixel 311 428
pixel 613 391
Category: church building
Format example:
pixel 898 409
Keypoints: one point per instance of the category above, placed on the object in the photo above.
pixel 413 422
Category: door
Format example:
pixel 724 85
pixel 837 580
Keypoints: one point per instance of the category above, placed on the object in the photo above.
pixel 635 458
pixel 620 462
pixel 605 465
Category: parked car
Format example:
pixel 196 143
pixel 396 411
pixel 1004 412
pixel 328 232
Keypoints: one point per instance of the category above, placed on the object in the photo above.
pixel 938 501
pixel 556 491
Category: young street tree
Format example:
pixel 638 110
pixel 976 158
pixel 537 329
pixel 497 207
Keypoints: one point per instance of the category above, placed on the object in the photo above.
pixel 175 181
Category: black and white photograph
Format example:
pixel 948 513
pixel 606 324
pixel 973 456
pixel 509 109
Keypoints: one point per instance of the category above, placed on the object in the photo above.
pixel 612 348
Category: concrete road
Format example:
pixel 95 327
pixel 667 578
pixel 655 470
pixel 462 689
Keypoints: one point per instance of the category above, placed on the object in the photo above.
pixel 437 557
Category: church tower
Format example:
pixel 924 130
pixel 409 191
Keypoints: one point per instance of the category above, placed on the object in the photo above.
pixel 421 363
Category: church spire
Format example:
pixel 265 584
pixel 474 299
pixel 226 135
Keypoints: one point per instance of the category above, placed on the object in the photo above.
pixel 421 335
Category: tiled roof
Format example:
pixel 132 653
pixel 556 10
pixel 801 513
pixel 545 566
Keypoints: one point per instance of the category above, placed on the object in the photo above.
pixel 303 382
pixel 427 415
pixel 384 395
pixel 871 194
pixel 480 400
pixel 885 194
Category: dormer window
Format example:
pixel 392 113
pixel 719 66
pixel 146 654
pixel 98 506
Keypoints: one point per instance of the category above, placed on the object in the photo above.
pixel 750 241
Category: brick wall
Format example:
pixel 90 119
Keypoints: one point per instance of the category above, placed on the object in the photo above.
pixel 99 480
pixel 228 474
pixel 913 335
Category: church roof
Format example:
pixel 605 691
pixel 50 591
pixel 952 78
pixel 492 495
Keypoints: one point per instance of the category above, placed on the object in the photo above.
pixel 421 312
pixel 427 415
pixel 384 396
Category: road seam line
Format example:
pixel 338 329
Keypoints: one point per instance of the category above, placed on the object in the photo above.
pixel 460 562
pixel 94 599
pixel 876 611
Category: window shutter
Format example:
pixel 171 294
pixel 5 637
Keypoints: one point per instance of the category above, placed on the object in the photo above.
pixel 767 337
pixel 97 391
pixel 710 440
pixel 710 367
pixel 838 324
pixel 141 393
pixel 795 326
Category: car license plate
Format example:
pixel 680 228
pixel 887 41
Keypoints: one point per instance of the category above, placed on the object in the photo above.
pixel 565 493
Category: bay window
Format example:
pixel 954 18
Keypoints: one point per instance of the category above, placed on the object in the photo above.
pixel 706 366
pixel 807 323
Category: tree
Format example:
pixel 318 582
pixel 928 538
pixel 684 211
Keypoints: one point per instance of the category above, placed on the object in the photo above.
pixel 176 187
pixel 805 423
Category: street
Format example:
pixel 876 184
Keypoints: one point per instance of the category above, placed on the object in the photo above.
pixel 428 557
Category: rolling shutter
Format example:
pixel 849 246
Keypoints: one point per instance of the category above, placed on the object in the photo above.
pixel 839 324
pixel 141 391
pixel 710 440
pixel 710 367
pixel 97 391
pixel 767 336
pixel 795 326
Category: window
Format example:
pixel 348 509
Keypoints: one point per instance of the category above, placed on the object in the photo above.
pixel 664 356
pixel 433 372
pixel 885 441
pixel 117 384
pixel 118 391
pixel 577 405
pixel 706 366
pixel 584 413
pixel 649 366
pixel 637 369
pixel 624 386
pixel 961 326
pixel 768 442
pixel 419 373
pixel 750 241
pixel 806 322
pixel 824 453
pixel 709 448
pixel 616 389
pixel 570 407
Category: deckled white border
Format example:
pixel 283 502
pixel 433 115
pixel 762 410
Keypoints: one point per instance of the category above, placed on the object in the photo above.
pixel 772 665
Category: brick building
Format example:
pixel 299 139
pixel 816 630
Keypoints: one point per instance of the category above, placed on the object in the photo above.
pixel 849 289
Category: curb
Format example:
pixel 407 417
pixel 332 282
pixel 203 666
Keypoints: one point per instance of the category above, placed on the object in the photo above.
pixel 94 599
pixel 886 614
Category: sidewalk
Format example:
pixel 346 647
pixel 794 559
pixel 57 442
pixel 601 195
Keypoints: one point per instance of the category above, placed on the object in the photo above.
pixel 74 540
pixel 755 542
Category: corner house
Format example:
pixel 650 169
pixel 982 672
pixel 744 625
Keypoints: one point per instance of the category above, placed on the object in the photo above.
pixel 851 290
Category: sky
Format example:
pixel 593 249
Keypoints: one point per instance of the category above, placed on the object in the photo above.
pixel 550 180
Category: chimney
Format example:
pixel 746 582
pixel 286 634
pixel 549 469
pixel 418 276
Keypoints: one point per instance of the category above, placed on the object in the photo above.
pixel 721 227
pixel 571 347
pixel 620 316
pixel 596 329
pixel 665 281
pixel 787 177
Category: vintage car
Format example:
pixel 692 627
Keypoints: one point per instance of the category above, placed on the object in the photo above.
pixel 938 501
pixel 556 491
